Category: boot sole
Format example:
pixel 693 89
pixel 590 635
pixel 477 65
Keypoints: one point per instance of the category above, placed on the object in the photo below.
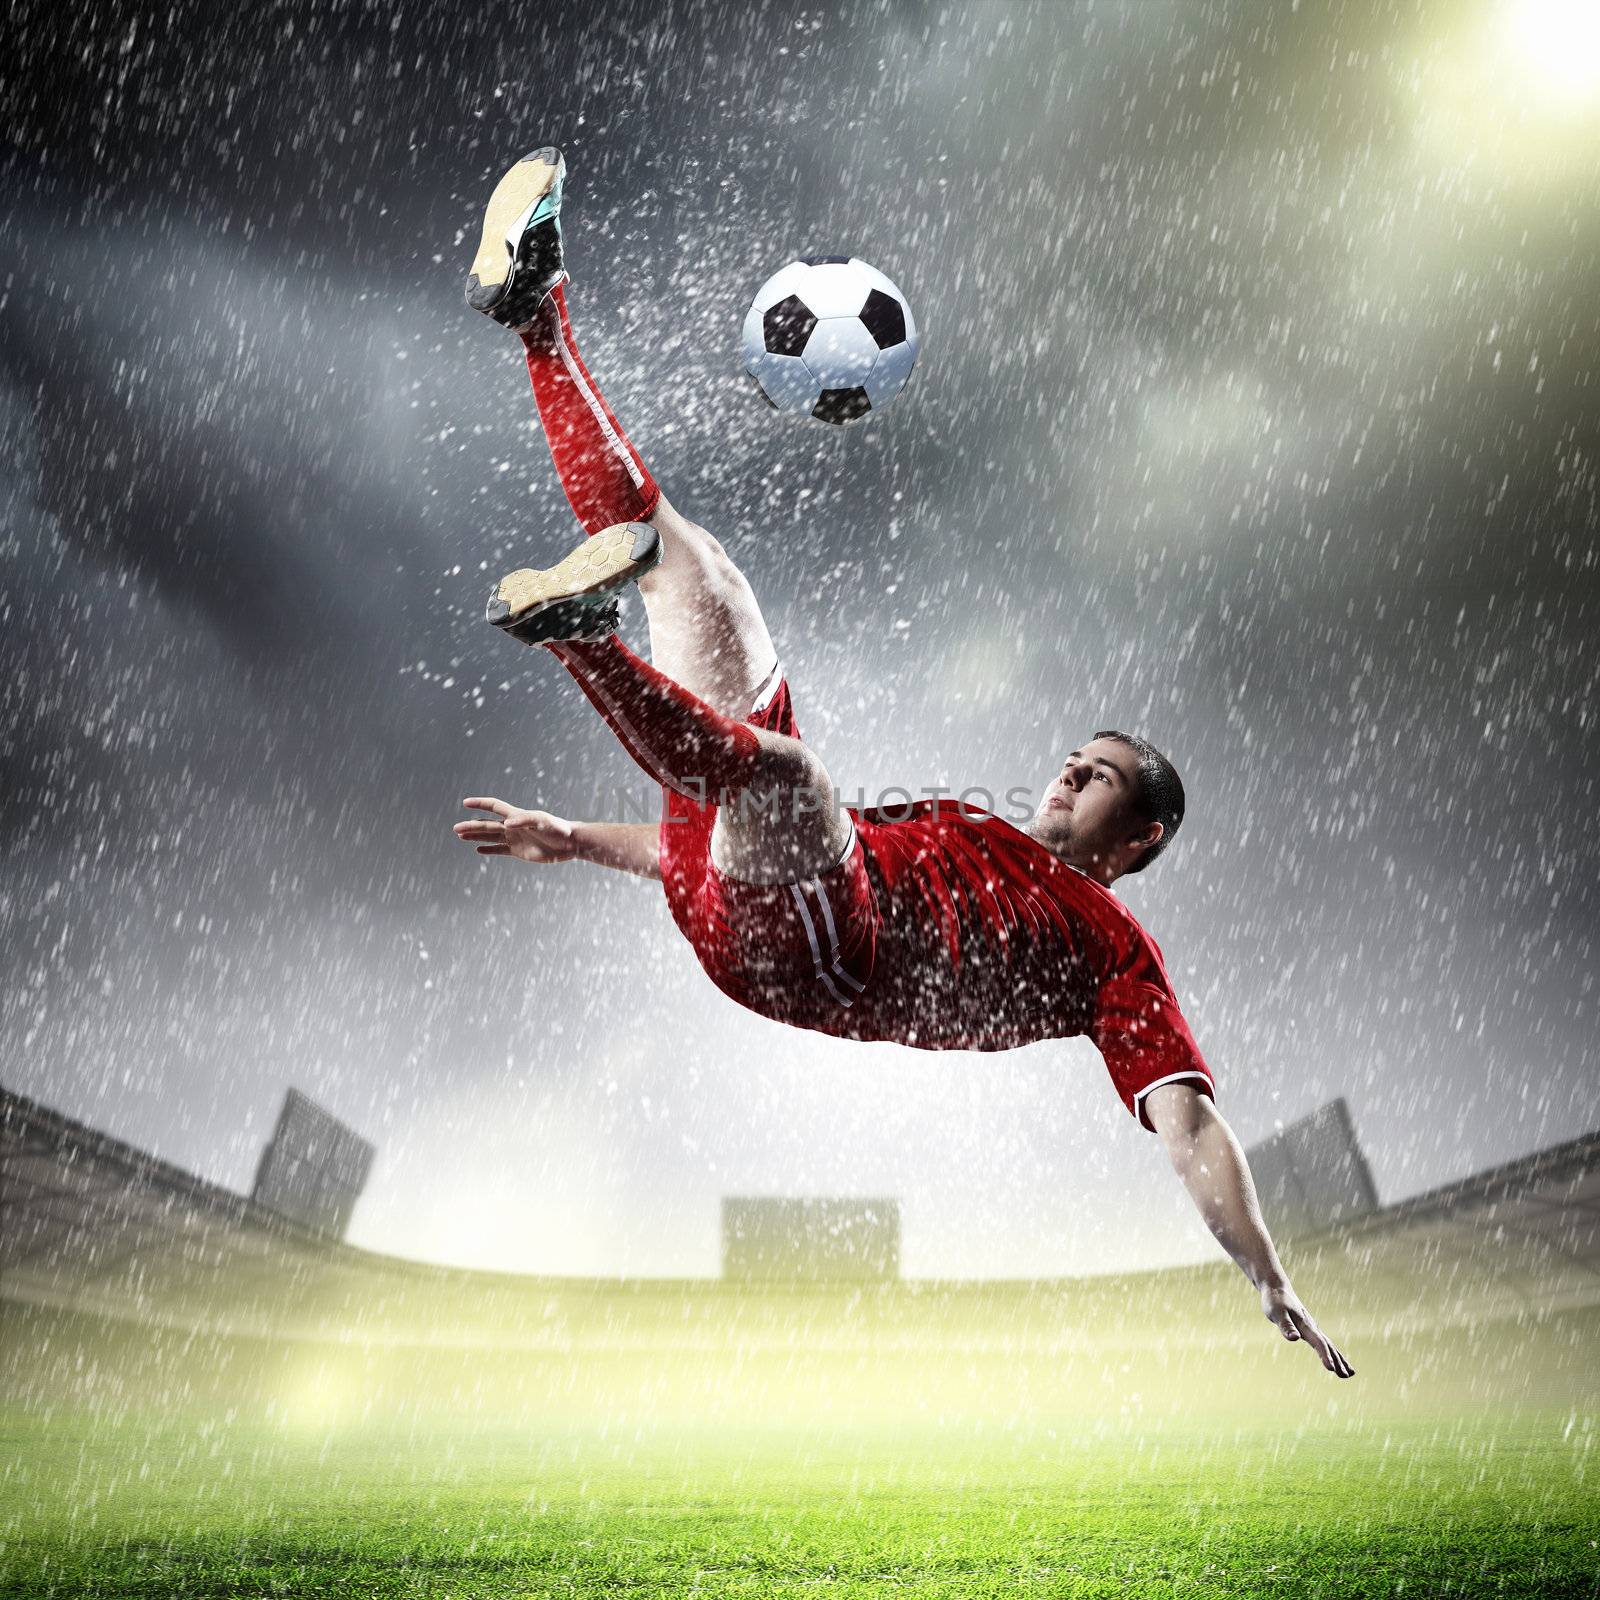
pixel 513 202
pixel 577 588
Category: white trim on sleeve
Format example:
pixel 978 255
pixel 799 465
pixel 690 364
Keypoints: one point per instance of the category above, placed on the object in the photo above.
pixel 1171 1077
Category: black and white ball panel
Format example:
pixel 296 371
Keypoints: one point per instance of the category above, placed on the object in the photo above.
pixel 840 352
pixel 829 336
pixel 885 319
pixel 889 373
pixel 841 405
pixel 787 326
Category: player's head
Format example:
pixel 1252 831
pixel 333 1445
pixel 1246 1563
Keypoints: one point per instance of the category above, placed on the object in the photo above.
pixel 1113 808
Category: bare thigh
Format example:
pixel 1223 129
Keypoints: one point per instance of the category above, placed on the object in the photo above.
pixel 707 633
pixel 788 825
pixel 706 629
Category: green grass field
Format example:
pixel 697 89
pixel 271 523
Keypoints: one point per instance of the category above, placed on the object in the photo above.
pixel 908 1446
pixel 166 1510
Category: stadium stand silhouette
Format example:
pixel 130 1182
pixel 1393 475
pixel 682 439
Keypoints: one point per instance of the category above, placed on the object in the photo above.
pixel 92 1226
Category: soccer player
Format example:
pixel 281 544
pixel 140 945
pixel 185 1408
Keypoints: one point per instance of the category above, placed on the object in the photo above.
pixel 938 926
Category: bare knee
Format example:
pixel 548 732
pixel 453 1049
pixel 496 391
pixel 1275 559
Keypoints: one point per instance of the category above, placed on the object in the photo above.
pixel 696 572
pixel 785 763
pixel 706 628
pixel 787 825
pixel 686 544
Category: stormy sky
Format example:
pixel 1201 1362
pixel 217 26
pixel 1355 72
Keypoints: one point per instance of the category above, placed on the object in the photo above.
pixel 1257 411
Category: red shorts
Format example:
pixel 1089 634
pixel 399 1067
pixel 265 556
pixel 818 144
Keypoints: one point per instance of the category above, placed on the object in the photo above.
pixel 799 953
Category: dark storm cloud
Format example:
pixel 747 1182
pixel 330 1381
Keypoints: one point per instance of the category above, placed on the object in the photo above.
pixel 1244 417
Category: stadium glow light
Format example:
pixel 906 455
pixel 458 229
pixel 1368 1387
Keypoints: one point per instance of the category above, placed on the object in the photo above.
pixel 315 1398
pixel 1513 95
pixel 1560 41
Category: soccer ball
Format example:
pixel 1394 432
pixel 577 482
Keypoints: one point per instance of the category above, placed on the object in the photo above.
pixel 830 337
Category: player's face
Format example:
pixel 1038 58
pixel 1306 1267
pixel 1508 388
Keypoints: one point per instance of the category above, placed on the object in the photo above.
pixel 1087 815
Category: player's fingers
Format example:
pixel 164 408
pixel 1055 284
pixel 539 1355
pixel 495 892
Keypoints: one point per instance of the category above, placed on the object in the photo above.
pixel 1341 1364
pixel 1312 1335
pixel 1284 1323
pixel 493 850
pixel 489 803
pixel 478 828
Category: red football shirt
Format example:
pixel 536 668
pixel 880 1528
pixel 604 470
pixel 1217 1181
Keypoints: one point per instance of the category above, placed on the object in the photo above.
pixel 987 941
pixel 983 941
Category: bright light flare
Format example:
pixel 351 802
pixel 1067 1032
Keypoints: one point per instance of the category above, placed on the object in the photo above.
pixel 316 1397
pixel 1513 93
pixel 1559 40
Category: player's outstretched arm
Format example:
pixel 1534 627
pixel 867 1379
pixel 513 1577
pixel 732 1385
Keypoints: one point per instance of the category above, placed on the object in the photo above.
pixel 1208 1158
pixel 545 839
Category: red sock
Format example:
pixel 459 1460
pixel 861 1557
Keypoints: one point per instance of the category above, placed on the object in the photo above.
pixel 605 480
pixel 674 735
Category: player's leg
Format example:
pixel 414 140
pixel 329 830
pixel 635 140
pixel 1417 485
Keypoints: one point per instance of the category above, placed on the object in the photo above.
pixel 777 820
pixel 706 627
pixel 706 630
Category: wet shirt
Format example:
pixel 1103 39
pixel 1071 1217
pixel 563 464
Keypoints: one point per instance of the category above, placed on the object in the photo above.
pixel 945 928
pixel 986 941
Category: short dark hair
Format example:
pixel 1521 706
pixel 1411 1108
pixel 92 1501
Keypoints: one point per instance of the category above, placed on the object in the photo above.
pixel 1157 791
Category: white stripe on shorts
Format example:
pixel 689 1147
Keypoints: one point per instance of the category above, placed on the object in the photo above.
pixel 769 688
pixel 833 933
pixel 834 968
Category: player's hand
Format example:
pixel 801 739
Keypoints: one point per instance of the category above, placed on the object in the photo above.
pixel 534 836
pixel 1287 1313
